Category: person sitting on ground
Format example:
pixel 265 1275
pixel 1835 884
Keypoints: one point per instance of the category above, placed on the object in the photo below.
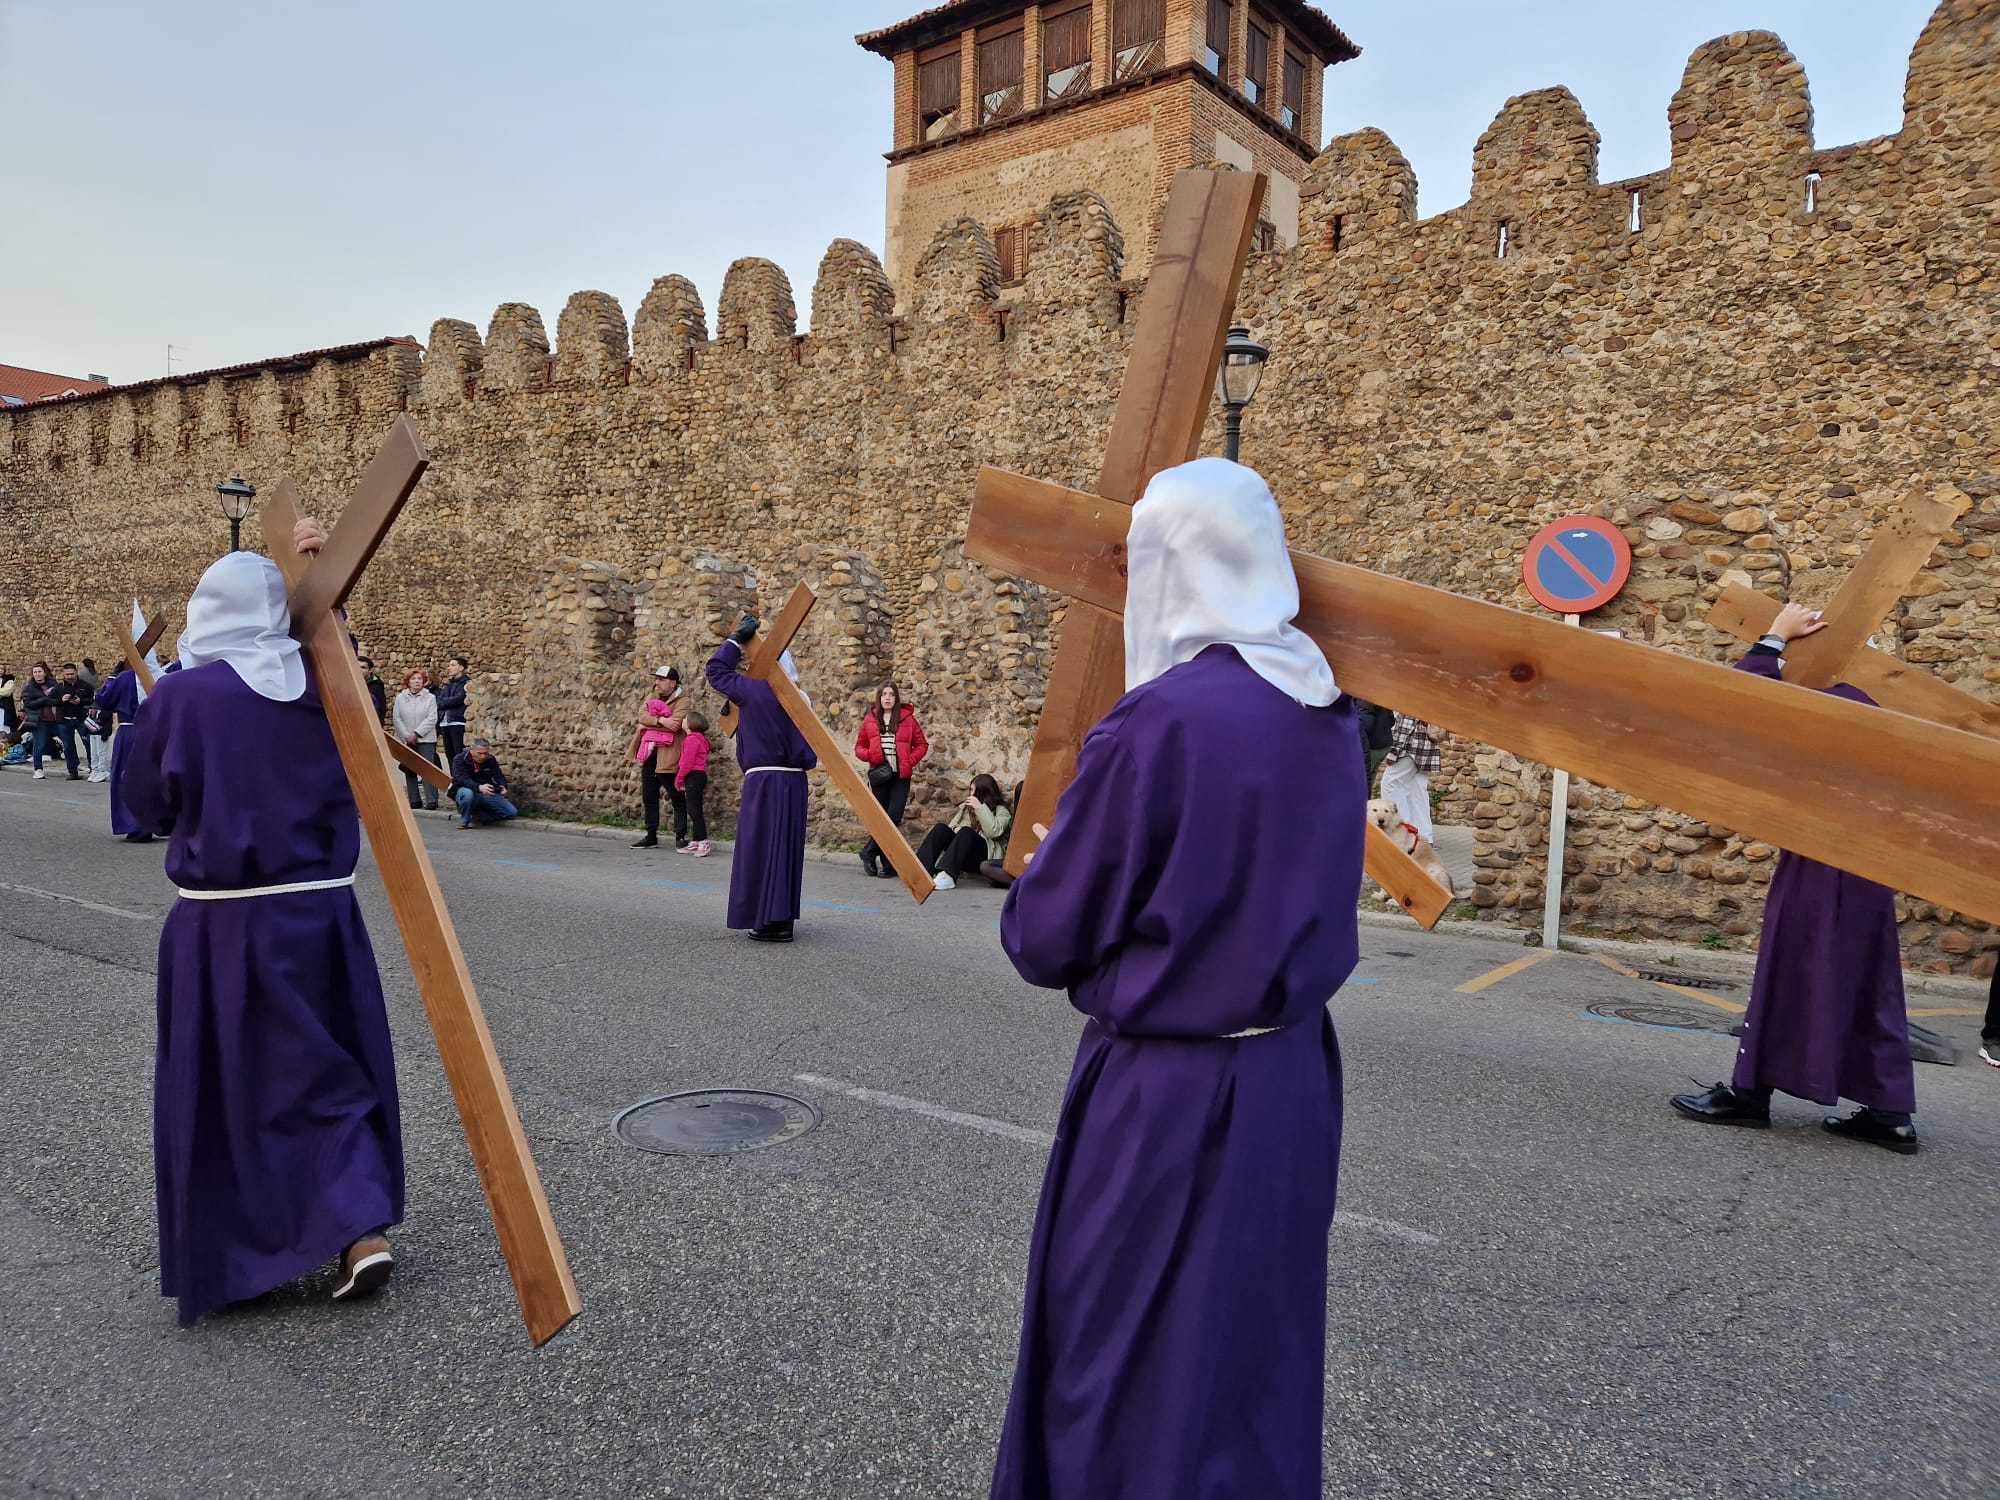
pixel 691 783
pixel 976 833
pixel 479 786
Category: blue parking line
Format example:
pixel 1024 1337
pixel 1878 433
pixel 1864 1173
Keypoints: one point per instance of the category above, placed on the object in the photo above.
pixel 678 885
pixel 866 911
pixel 521 864
pixel 68 801
pixel 1357 979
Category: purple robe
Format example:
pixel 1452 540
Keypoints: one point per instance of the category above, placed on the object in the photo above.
pixel 1826 1019
pixel 767 873
pixel 120 695
pixel 277 1140
pixel 1200 880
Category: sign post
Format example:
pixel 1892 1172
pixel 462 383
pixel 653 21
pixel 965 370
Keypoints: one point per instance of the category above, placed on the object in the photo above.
pixel 1571 566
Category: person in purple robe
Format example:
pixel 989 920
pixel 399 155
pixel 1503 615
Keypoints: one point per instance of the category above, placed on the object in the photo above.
pixel 767 873
pixel 1826 1019
pixel 119 697
pixel 1196 898
pixel 276 1133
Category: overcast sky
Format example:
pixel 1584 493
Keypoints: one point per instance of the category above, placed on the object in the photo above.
pixel 250 178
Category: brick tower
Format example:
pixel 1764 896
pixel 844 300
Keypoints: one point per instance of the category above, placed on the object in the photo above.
pixel 1001 106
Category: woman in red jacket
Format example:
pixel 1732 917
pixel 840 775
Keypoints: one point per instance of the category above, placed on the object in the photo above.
pixel 890 744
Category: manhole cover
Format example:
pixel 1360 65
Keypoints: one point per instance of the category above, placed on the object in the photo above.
pixel 1689 981
pixel 1647 1013
pixel 715 1122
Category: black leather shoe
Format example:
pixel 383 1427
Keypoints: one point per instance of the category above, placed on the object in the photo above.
pixel 650 841
pixel 1722 1105
pixel 772 932
pixel 868 865
pixel 1891 1132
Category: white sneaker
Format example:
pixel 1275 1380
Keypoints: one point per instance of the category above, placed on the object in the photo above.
pixel 1991 1052
pixel 41 776
pixel 699 850
pixel 943 882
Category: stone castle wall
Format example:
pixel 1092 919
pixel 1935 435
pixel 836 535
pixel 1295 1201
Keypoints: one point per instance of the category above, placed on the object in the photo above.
pixel 1743 379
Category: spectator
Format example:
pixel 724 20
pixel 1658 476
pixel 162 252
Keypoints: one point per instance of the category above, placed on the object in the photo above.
pixel 72 708
pixel 976 834
pixel 1378 727
pixel 38 715
pixel 7 690
pixel 660 721
pixel 451 707
pixel 691 782
pixel 377 692
pixel 16 747
pixel 1413 760
pixel 89 676
pixel 891 744
pixel 96 726
pixel 479 786
pixel 1989 1033
pixel 416 720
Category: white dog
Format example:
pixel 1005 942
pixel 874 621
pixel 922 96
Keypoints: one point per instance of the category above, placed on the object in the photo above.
pixel 1384 815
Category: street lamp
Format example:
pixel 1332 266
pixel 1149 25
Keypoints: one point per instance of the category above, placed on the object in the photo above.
pixel 1236 383
pixel 236 497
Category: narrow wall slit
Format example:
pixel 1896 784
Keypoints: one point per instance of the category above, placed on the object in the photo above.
pixel 1812 192
pixel 1638 219
pixel 1505 235
pixel 1337 233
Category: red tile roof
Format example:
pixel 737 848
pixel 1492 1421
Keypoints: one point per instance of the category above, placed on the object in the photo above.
pixel 85 390
pixel 40 385
pixel 1314 26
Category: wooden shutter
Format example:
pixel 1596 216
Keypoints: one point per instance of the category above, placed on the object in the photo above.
pixel 1218 34
pixel 937 88
pixel 1138 37
pixel 1011 243
pixel 1257 66
pixel 1066 54
pixel 1000 76
pixel 1295 90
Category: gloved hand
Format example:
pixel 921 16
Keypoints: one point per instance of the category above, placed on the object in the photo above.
pixel 744 633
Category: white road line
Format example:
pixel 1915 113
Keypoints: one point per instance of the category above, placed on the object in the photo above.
pixel 933 1111
pixel 110 911
pixel 1341 1220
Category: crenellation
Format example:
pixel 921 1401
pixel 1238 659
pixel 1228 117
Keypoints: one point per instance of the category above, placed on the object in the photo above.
pixel 1076 259
pixel 1534 172
pixel 1952 95
pixel 957 278
pixel 1361 190
pixel 1741 131
pixel 853 301
pixel 669 327
pixel 451 363
pixel 516 356
pixel 591 341
pixel 756 311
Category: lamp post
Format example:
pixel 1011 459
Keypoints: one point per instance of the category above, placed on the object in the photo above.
pixel 236 497
pixel 1236 383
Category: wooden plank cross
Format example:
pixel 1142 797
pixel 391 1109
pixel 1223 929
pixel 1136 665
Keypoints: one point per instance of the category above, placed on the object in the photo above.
pixel 761 661
pixel 135 651
pixel 1892 798
pixel 317 587
pixel 1841 653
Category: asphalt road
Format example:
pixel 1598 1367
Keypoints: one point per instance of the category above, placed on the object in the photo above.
pixel 1543 1282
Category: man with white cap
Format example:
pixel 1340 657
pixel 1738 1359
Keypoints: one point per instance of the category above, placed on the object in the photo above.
pixel 767 872
pixel 1196 898
pixel 276 1132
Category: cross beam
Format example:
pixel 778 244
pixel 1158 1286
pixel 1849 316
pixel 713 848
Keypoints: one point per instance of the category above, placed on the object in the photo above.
pixel 761 662
pixel 542 1282
pixel 1891 798
pixel 135 651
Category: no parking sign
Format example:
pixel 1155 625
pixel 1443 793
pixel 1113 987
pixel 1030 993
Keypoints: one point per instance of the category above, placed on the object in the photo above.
pixel 1577 564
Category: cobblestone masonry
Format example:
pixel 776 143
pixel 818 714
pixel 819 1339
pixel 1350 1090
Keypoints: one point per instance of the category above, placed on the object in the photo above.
pixel 1744 381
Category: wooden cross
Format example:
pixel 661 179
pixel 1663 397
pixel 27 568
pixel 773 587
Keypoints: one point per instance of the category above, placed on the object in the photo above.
pixel 1841 653
pixel 317 587
pixel 1895 799
pixel 761 662
pixel 135 651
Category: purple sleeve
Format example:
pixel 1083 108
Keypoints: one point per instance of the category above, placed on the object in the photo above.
pixel 1762 662
pixel 149 780
pixel 723 671
pixel 1075 904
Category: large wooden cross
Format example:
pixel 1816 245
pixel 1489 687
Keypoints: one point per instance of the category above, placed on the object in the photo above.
pixel 135 651
pixel 317 587
pixel 761 661
pixel 1902 801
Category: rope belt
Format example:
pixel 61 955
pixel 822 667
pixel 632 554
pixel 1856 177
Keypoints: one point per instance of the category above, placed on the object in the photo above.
pixel 795 770
pixel 1231 1036
pixel 266 890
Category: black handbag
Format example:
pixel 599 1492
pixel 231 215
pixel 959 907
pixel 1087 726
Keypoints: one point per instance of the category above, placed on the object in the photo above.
pixel 880 776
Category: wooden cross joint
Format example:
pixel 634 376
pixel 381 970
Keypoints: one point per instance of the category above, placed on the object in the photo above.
pixel 542 1282
pixel 1841 653
pixel 761 661
pixel 135 651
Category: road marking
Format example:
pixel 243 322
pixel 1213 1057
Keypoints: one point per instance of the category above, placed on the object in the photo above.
pixel 1342 1219
pixel 677 885
pixel 1357 979
pixel 866 911
pixel 1945 1013
pixel 932 1111
pixel 1505 971
pixel 1679 989
pixel 522 864
pixel 110 911
pixel 67 801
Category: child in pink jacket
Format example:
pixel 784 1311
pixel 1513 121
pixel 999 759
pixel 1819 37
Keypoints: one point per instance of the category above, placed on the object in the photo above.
pixel 692 780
